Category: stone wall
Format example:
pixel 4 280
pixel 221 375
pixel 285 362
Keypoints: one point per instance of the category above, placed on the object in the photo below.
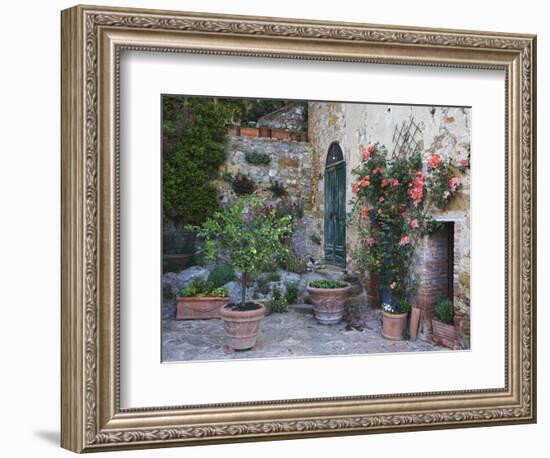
pixel 291 166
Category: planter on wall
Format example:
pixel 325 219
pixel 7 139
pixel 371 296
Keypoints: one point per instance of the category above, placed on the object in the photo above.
pixel 241 326
pixel 265 132
pixel 176 262
pixel 328 303
pixel 250 132
pixel 197 308
pixel 393 325
pixel 445 334
pixel 234 130
pixel 280 134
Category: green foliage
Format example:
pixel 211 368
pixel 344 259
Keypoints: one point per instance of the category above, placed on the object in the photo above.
pixel 220 275
pixel 248 111
pixel 277 188
pixel 263 285
pixel 256 158
pixel 291 292
pixel 394 198
pixel 194 147
pixel 243 185
pixel 278 301
pixel 250 237
pixel 292 263
pixel 445 311
pixel 202 288
pixel 328 284
pixel 274 276
pixel 315 238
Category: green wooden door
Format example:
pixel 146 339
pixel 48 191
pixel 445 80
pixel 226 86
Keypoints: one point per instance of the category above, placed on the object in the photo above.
pixel 335 212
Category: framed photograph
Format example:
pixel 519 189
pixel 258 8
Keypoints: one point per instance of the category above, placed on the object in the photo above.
pixel 278 228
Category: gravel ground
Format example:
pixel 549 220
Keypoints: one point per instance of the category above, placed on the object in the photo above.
pixel 290 334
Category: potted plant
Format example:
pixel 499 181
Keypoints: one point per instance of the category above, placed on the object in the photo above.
pixel 200 301
pixel 249 132
pixel 394 320
pixel 444 331
pixel 279 134
pixel 328 298
pixel 264 130
pixel 251 238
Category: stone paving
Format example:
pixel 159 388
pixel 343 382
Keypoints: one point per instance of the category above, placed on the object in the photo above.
pixel 282 335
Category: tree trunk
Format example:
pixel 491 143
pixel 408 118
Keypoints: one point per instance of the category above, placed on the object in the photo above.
pixel 244 281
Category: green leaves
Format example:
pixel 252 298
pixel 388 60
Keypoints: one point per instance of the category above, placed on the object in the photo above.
pixel 248 233
pixel 195 139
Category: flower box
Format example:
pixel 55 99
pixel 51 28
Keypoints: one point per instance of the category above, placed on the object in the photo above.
pixel 445 335
pixel 234 130
pixel 198 308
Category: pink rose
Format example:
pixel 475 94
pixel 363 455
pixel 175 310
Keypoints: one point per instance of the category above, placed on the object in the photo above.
pixel 464 162
pixel 381 199
pixel 405 240
pixel 371 149
pixel 414 223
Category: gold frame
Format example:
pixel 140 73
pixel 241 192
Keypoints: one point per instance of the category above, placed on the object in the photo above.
pixel 92 39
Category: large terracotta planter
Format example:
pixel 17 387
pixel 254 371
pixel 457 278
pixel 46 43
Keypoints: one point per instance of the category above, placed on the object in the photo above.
pixel 328 303
pixel 445 334
pixel 195 308
pixel 393 325
pixel 241 326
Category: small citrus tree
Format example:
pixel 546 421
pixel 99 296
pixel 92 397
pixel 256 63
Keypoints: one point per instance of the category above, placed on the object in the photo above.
pixel 249 233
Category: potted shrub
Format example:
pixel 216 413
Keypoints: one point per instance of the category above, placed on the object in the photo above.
pixel 328 298
pixel 251 238
pixel 444 331
pixel 200 301
pixel 394 320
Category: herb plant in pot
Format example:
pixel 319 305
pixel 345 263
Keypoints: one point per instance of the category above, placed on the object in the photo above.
pixel 200 300
pixel 328 298
pixel 251 239
pixel 444 331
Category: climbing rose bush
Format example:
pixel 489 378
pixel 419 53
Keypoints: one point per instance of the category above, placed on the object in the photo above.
pixel 393 199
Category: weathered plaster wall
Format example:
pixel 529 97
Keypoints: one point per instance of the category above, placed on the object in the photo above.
pixel 355 126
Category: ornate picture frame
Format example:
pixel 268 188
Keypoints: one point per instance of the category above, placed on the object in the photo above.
pixel 92 40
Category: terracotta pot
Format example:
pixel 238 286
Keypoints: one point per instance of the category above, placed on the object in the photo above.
pixel 197 308
pixel 234 130
pixel 250 132
pixel 280 134
pixel 445 334
pixel 241 326
pixel 265 132
pixel 393 325
pixel 328 304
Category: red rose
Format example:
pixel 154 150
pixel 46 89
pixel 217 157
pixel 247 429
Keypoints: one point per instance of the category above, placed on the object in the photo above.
pixel 371 149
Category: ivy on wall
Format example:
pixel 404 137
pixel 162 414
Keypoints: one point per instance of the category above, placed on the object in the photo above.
pixel 194 147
